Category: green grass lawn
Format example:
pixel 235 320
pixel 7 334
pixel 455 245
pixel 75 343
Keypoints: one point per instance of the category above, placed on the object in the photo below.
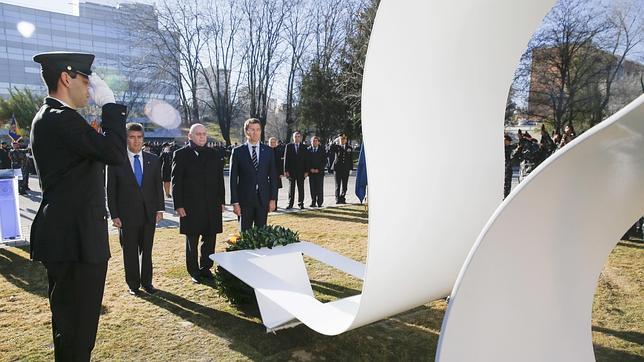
pixel 184 321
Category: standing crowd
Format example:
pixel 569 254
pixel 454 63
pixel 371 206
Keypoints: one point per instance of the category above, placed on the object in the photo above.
pixel 529 152
pixel 69 232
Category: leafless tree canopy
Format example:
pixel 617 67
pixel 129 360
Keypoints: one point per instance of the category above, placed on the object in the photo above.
pixel 576 70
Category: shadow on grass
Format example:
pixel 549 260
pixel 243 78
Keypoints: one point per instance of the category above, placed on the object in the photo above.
pixel 630 336
pixel 389 339
pixel 22 272
pixel 333 290
pixel 631 244
pixel 608 354
pixel 325 215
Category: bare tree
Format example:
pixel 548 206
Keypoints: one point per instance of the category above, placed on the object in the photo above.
pixel 264 21
pixel 297 31
pixel 172 38
pixel 563 62
pixel 625 33
pixel 221 68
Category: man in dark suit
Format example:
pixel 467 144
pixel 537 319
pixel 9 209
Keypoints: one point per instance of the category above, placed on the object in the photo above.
pixel 253 178
pixel 5 162
pixel 317 161
pixel 295 162
pixel 135 200
pixel 342 166
pixel 69 231
pixel 198 195
pixel 278 156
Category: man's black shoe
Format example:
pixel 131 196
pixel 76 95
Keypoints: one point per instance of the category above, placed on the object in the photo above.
pixel 312 205
pixel 150 289
pixel 302 207
pixel 135 292
pixel 289 207
pixel 195 280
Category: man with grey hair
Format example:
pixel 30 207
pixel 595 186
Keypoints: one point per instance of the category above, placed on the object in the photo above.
pixel 198 196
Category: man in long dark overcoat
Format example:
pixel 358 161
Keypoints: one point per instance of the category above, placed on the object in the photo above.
pixel 198 196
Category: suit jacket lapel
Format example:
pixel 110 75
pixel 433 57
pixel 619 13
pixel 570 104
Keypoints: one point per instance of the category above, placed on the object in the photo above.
pixel 146 166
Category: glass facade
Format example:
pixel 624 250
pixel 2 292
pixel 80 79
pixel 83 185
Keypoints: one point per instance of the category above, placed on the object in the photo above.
pixel 96 30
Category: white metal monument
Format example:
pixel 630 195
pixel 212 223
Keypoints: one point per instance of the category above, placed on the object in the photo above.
pixel 439 71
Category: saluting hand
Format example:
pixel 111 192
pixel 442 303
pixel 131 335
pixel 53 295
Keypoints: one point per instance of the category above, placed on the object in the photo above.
pixel 181 212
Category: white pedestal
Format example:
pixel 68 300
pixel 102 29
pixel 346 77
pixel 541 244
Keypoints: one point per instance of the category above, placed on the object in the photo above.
pixel 10 229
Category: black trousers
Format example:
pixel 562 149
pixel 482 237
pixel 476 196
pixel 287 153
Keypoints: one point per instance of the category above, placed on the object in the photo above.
pixel 507 182
pixel 201 267
pixel 75 295
pixel 136 242
pixel 316 184
pixel 299 181
pixel 341 181
pixel 253 214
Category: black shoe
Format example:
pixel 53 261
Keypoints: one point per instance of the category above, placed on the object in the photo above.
pixel 150 289
pixel 135 292
pixel 312 205
pixel 320 205
pixel 289 207
pixel 302 207
pixel 196 280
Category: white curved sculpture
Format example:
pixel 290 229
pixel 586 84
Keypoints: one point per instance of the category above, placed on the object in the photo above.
pixel 526 292
pixel 437 73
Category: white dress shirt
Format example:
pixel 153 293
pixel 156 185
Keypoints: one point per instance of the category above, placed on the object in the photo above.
pixel 130 155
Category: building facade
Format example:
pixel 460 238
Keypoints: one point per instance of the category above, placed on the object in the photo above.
pixel 98 29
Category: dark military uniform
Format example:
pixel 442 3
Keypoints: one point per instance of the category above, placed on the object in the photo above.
pixel 527 154
pixel 69 232
pixel 5 162
pixel 18 159
pixel 507 184
pixel 342 166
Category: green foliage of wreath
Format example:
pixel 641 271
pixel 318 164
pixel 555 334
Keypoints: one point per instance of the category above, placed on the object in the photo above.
pixel 229 286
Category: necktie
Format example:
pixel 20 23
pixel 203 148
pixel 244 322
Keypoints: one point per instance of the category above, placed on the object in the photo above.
pixel 296 147
pixel 254 156
pixel 315 149
pixel 138 171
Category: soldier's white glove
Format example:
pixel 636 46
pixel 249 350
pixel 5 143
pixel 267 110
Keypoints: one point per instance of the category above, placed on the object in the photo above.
pixel 100 91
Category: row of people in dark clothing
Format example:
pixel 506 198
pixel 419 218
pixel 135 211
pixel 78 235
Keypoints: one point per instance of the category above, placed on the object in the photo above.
pixel 529 152
pixel 17 157
pixel 296 161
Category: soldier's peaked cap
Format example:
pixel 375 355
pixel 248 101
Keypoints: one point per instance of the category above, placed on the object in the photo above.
pixel 65 61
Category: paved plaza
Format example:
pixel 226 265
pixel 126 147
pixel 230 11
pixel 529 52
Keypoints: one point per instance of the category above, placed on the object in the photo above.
pixel 29 203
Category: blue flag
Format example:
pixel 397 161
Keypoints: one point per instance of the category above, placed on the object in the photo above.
pixel 361 176
pixel 13 129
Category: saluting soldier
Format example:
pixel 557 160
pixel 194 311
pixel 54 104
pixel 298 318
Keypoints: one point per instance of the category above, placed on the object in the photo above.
pixel 342 166
pixel 69 233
